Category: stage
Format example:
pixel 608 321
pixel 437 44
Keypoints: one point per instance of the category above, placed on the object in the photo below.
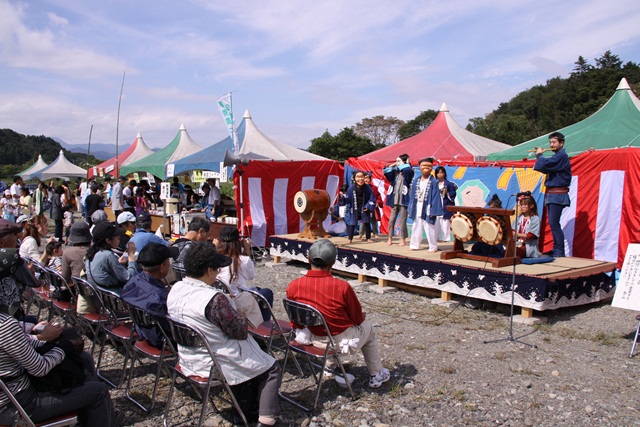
pixel 565 282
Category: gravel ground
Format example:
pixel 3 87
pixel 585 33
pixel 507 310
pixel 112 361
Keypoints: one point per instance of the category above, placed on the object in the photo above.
pixel 451 367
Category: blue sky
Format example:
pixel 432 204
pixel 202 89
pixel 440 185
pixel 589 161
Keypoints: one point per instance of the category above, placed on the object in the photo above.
pixel 298 67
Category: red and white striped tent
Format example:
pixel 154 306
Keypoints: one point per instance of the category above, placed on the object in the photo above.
pixel 136 151
pixel 274 174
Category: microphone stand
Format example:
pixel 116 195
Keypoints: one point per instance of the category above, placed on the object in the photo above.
pixel 510 337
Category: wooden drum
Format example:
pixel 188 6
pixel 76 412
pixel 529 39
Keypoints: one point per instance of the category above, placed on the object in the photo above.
pixel 462 226
pixel 490 230
pixel 315 201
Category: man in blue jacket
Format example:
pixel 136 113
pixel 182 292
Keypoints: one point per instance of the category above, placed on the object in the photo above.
pixel 399 176
pixel 558 170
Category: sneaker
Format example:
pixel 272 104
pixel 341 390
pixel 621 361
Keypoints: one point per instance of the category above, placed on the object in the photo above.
pixel 381 377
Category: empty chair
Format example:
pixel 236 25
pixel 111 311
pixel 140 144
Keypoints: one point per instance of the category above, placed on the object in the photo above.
pixel 90 322
pixel 66 308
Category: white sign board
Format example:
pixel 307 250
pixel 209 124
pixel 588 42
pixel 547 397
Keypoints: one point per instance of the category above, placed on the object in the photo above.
pixel 170 168
pixel 223 173
pixel 165 190
pixel 628 289
pixel 210 174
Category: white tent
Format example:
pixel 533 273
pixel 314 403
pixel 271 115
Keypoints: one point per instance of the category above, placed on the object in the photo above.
pixel 258 146
pixel 36 167
pixel 60 168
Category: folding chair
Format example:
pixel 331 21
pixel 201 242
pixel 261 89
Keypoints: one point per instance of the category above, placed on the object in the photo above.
pixel 317 358
pixel 188 335
pixel 40 295
pixel 271 331
pixel 70 419
pixel 118 328
pixel 91 322
pixel 142 348
pixel 66 308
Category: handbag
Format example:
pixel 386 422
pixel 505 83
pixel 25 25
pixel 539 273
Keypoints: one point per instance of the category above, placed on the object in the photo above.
pixel 69 373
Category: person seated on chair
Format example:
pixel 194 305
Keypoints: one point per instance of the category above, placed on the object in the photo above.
pixel 338 303
pixel 19 358
pixel 197 231
pixel 527 227
pixel 143 234
pixel 247 369
pixel 148 290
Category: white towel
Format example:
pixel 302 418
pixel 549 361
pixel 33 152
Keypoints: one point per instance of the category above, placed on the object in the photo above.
pixel 346 345
pixel 303 336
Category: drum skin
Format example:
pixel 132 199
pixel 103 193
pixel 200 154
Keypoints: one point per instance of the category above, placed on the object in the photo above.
pixel 306 202
pixel 489 230
pixel 461 227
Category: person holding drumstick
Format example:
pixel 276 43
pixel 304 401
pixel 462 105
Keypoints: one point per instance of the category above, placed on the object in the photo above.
pixel 558 170
pixel 527 226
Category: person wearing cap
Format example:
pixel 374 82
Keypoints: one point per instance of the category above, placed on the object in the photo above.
pixel 75 251
pixel 128 197
pixel 425 206
pixel 143 235
pixel 103 267
pixel 241 271
pixel 127 221
pixel 557 182
pixel 247 368
pixel 148 290
pixel 339 305
pixel 9 206
pixel 10 233
pixel 117 202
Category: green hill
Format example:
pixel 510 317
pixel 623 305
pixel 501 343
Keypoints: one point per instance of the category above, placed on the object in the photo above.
pixel 21 151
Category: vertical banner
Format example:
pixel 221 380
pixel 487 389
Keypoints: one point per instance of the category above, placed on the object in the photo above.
pixel 223 173
pixel 224 104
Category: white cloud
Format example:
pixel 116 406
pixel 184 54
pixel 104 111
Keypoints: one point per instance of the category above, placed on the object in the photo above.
pixel 57 20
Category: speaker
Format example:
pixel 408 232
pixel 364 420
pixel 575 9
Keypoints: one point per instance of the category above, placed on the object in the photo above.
pixel 231 159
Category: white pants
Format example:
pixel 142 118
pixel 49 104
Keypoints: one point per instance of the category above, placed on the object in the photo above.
pixel 418 226
pixel 444 229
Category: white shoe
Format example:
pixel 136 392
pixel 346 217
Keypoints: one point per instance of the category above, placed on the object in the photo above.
pixel 381 377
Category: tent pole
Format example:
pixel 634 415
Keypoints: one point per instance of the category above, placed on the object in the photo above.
pixel 240 172
pixel 116 169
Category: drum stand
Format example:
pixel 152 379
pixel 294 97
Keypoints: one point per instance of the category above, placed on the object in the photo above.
pixel 510 337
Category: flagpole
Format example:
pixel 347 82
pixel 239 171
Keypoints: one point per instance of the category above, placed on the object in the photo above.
pixel 116 169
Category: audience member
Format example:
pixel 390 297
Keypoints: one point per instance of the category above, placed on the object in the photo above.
pixel 197 231
pixel 254 376
pixel 148 290
pixel 339 305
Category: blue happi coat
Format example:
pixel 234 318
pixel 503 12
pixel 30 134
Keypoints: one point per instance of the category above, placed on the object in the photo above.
pixel 433 199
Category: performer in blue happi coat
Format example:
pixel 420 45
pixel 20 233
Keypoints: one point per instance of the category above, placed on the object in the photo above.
pixel 359 202
pixel 399 176
pixel 425 206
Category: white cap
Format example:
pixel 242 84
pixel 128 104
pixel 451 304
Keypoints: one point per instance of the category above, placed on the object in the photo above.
pixel 126 217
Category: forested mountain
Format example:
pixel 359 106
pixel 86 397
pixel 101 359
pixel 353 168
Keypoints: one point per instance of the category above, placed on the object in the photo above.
pixel 559 103
pixel 21 151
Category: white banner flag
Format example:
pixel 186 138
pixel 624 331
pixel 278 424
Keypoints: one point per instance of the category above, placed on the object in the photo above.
pixel 224 104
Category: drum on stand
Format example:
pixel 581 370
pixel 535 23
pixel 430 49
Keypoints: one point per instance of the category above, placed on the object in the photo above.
pixel 462 226
pixel 490 230
pixel 313 207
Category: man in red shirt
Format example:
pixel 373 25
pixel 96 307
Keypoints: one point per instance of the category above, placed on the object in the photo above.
pixel 339 305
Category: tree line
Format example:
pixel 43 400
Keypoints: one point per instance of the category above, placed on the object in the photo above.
pixel 531 113
pixel 21 151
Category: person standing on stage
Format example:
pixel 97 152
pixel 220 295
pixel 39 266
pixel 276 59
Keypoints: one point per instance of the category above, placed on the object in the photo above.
pixel 359 204
pixel 448 191
pixel 425 206
pixel 558 170
pixel 399 176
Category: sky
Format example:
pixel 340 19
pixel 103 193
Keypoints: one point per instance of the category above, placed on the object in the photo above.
pixel 300 68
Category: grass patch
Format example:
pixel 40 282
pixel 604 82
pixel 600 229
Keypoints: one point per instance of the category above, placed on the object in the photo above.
pixel 606 338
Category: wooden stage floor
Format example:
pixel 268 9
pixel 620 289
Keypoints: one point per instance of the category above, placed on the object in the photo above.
pixel 563 282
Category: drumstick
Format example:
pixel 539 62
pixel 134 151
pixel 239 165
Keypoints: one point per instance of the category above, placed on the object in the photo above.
pixel 533 151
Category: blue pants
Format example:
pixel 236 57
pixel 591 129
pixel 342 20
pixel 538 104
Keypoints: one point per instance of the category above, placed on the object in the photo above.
pixel 554 212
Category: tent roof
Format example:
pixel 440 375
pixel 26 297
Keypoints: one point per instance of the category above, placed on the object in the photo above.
pixel 444 139
pixel 258 146
pixel 181 147
pixel 37 166
pixel 60 167
pixel 209 158
pixel 616 124
pixel 136 151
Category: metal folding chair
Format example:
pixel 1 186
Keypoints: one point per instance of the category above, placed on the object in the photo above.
pixel 70 419
pixel 118 328
pixel 317 358
pixel 90 322
pixel 66 308
pixel 143 349
pixel 40 295
pixel 274 332
pixel 188 335
pixel 635 339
